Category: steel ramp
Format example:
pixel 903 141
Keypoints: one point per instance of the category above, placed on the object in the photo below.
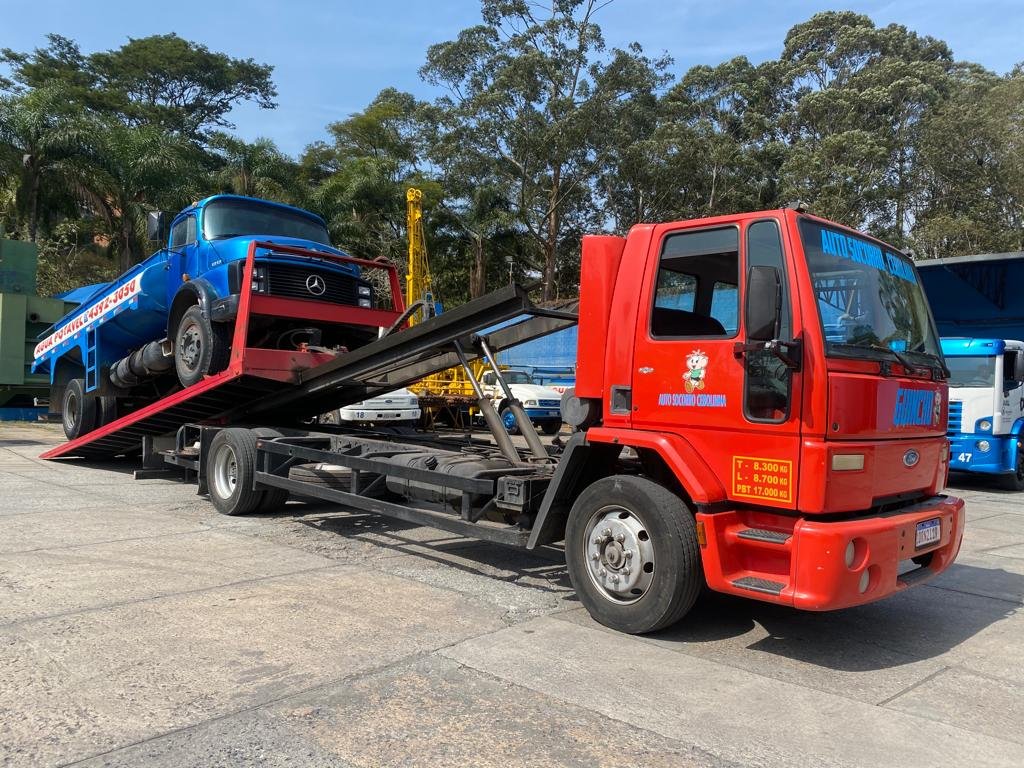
pixel 391 362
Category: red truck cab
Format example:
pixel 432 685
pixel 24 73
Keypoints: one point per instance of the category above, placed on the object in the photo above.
pixel 784 374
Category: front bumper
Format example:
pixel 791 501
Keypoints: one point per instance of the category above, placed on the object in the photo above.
pixel 806 564
pixel 379 415
pixel 965 456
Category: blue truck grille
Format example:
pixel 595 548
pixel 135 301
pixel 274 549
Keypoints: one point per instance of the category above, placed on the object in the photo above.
pixel 548 403
pixel 293 282
pixel 956 413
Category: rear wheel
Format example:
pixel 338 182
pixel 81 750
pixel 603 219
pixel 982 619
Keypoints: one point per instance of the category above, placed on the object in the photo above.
pixel 1015 481
pixel 631 548
pixel 230 469
pixel 551 427
pixel 201 347
pixel 80 412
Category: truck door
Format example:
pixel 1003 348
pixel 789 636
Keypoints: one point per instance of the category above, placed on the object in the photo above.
pixel 181 256
pixel 692 374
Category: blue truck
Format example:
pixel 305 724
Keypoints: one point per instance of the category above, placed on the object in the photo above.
pixel 167 322
pixel 986 407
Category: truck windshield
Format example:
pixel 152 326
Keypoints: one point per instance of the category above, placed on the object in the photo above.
pixel 971 371
pixel 517 377
pixel 869 296
pixel 231 218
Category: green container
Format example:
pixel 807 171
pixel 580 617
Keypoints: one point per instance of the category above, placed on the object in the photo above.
pixel 18 263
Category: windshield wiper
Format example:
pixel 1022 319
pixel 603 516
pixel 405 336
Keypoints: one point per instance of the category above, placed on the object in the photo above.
pixel 858 350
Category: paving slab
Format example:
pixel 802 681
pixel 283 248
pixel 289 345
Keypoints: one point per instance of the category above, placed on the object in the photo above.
pixel 56 581
pixel 90 682
pixel 428 712
pixel 727 712
pixel 981 703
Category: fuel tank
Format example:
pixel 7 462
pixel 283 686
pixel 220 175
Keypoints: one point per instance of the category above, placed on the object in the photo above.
pixel 466 465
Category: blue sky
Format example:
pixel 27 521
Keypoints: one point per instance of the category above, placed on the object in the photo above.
pixel 331 58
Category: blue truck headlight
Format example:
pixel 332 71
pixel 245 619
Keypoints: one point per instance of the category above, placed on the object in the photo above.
pixel 364 290
pixel 365 303
pixel 983 446
pixel 983 425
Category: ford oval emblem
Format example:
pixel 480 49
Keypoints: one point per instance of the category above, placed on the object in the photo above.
pixel 911 457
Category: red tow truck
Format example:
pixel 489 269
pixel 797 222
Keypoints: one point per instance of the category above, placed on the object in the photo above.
pixel 760 409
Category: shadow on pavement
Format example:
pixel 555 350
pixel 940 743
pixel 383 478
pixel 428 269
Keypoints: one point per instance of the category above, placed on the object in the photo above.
pixel 913 625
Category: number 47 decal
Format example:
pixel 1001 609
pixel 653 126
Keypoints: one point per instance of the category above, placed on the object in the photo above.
pixel 964 458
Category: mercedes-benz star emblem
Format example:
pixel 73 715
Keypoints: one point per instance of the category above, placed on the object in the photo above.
pixel 316 285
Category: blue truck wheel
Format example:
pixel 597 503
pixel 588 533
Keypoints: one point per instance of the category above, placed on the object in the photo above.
pixel 79 411
pixel 1015 480
pixel 201 347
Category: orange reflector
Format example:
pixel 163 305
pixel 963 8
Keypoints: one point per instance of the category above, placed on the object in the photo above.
pixel 702 536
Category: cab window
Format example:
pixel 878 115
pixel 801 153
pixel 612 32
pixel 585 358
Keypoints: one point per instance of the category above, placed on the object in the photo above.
pixel 183 232
pixel 696 292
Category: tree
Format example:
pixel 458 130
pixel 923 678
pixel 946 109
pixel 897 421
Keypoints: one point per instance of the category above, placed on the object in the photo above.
pixel 128 171
pixel 257 169
pixel 858 95
pixel 162 80
pixel 525 111
pixel 974 196
pixel 42 134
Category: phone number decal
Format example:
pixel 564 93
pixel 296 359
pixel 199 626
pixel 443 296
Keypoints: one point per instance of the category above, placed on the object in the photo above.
pixel 762 479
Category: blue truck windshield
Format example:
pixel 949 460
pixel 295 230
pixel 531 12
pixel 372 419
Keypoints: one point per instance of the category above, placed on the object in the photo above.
pixel 231 218
pixel 868 294
pixel 974 371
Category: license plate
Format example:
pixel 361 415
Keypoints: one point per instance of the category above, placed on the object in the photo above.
pixel 928 532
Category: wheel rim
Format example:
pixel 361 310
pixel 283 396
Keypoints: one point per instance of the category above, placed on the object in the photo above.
pixel 225 472
pixel 509 420
pixel 619 554
pixel 191 344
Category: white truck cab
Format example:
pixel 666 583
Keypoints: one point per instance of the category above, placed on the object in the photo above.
pixel 543 405
pixel 401 407
pixel 986 407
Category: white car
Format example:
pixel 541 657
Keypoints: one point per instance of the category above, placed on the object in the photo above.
pixel 543 405
pixel 399 407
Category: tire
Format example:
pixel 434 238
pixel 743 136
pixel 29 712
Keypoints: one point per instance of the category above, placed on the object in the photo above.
pixel 509 420
pixel 80 412
pixel 669 578
pixel 108 410
pixel 1015 480
pixel 201 347
pixel 230 469
pixel 274 499
pixel 551 427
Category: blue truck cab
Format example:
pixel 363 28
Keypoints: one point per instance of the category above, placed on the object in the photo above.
pixel 986 407
pixel 174 312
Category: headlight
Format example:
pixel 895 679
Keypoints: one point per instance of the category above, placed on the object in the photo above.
pixel 364 303
pixel 364 290
pixel 983 446
pixel 530 403
pixel 984 425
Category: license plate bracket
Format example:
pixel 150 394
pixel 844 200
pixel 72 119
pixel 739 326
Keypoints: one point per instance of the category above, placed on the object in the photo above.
pixel 928 532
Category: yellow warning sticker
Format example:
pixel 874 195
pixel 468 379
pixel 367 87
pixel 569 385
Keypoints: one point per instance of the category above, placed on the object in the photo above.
pixel 762 479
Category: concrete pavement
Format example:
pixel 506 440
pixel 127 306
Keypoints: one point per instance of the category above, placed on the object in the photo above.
pixel 139 627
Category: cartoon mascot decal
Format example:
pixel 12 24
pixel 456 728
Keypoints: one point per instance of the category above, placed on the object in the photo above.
pixel 696 370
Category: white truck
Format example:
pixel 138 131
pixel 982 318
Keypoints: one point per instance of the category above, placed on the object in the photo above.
pixel 986 407
pixel 543 405
pixel 400 408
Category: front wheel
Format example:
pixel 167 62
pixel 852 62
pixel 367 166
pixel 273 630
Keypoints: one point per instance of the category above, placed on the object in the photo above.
pixel 1015 481
pixel 552 427
pixel 509 420
pixel 632 553
pixel 201 347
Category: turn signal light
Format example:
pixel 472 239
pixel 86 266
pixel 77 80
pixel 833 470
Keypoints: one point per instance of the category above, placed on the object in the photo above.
pixel 847 462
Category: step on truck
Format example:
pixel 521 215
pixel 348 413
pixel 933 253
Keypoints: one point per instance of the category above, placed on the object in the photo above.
pixel 168 322
pixel 986 408
pixel 760 409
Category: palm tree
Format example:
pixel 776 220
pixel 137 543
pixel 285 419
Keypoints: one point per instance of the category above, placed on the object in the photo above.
pixel 128 171
pixel 41 134
pixel 258 169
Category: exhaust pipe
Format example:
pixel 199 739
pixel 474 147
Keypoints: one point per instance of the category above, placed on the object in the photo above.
pixel 155 358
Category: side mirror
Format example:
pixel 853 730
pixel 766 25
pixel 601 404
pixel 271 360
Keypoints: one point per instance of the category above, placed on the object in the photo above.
pixel 158 226
pixel 763 313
